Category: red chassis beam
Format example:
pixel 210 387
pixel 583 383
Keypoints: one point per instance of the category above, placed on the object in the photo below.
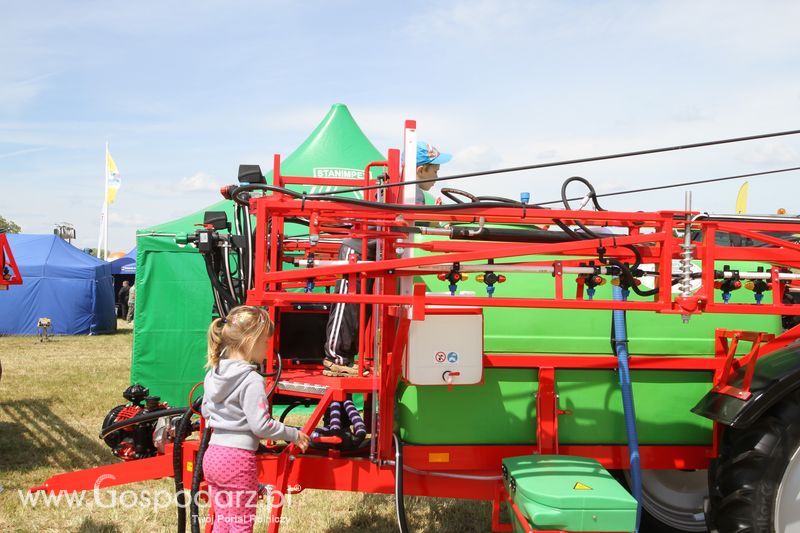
pixel 362 475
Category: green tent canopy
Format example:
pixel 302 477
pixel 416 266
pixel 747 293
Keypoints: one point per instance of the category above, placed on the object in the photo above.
pixel 173 293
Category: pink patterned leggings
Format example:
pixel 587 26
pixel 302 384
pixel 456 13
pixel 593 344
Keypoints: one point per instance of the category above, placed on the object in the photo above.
pixel 232 478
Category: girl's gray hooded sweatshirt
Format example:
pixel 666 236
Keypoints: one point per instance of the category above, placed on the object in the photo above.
pixel 235 405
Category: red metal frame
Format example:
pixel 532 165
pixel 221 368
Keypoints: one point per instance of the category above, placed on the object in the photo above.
pixel 383 339
pixel 9 272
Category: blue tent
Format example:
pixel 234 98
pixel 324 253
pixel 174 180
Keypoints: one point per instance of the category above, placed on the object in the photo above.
pixel 125 265
pixel 60 282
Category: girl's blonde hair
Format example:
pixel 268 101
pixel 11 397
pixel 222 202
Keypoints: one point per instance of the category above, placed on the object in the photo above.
pixel 238 332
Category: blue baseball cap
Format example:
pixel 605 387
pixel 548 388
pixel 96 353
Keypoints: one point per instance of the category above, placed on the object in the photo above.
pixel 427 154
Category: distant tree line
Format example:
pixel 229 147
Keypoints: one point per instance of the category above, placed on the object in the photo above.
pixel 8 226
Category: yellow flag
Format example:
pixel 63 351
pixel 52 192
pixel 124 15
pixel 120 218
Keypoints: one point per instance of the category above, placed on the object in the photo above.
pixel 741 200
pixel 113 177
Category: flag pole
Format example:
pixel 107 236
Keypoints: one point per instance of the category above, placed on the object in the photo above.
pixel 104 230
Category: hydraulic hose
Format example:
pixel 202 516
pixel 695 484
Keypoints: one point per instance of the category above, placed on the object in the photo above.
pixel 196 477
pixel 508 235
pixel 359 428
pixel 400 506
pixel 177 460
pixel 620 345
pixel 177 468
pixel 291 406
pixel 335 416
pixel 153 415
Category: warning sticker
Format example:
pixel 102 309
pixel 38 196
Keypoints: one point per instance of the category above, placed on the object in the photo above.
pixel 452 357
pixel 440 357
pixel 581 486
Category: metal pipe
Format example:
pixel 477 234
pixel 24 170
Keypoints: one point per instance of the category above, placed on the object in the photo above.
pixel 542 269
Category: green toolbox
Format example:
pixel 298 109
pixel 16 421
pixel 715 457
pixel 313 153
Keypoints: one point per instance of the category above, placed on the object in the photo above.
pixel 561 492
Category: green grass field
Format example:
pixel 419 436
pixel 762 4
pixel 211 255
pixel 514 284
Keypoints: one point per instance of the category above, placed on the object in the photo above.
pixel 53 397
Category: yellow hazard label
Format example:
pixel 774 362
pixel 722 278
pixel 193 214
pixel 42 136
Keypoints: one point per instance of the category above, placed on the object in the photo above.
pixel 189 466
pixel 439 457
pixel 581 486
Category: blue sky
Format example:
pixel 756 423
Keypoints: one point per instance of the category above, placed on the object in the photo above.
pixel 185 92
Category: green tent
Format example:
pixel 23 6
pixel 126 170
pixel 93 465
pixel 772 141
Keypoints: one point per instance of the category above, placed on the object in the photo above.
pixel 174 299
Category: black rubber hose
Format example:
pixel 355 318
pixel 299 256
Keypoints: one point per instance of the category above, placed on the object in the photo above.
pixel 226 300
pixel 508 235
pixel 291 406
pixel 378 205
pixel 153 415
pixel 592 193
pixel 500 199
pixel 453 194
pixel 181 432
pixel 196 477
pixel 177 468
pixel 625 270
pixel 400 506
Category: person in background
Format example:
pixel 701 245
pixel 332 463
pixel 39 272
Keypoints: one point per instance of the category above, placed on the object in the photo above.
pixel 131 303
pixel 429 160
pixel 122 299
pixel 341 334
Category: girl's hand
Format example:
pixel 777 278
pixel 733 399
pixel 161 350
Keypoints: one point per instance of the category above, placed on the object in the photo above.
pixel 302 441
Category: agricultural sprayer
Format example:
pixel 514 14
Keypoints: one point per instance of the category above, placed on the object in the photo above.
pixel 585 370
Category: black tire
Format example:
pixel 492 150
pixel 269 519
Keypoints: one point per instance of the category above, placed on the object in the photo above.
pixel 649 521
pixel 744 479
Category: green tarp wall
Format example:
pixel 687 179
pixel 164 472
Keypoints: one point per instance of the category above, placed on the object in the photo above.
pixel 173 294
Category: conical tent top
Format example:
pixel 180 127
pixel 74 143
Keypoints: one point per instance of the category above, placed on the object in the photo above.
pixel 337 148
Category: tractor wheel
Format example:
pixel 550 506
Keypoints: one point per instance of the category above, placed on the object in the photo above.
pixel 672 500
pixel 755 481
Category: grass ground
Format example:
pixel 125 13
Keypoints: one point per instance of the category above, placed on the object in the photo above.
pixel 53 397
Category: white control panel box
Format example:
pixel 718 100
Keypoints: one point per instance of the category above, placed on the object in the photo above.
pixel 446 348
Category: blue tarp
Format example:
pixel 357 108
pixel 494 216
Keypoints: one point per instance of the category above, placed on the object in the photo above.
pixel 125 264
pixel 60 282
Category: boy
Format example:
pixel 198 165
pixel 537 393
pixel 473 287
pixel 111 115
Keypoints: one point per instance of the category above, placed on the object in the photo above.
pixel 341 343
pixel 429 159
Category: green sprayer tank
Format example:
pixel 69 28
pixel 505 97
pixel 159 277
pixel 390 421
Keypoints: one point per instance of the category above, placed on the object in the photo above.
pixel 502 410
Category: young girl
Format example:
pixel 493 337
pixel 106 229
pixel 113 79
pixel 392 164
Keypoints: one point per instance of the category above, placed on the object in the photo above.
pixel 235 406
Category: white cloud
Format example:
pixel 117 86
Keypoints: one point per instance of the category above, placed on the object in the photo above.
pixel 770 153
pixel 471 158
pixel 134 220
pixel 21 152
pixel 478 19
pixel 197 182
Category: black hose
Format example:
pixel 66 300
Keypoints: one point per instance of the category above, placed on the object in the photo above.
pixel 500 199
pixel 400 506
pixel 508 235
pixel 227 301
pixel 177 468
pixel 196 477
pixel 377 205
pixel 277 377
pixel 146 417
pixel 625 270
pixel 291 406
pixel 451 194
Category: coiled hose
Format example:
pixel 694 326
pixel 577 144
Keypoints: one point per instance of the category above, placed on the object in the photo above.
pixel 620 345
pixel 359 428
